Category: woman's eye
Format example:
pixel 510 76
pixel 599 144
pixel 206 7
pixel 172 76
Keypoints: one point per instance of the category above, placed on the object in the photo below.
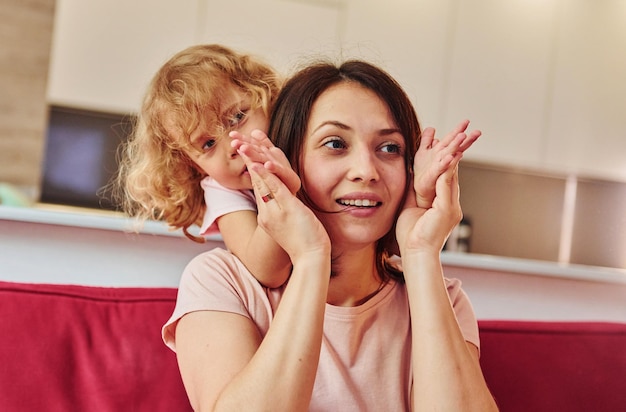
pixel 335 144
pixel 392 148
pixel 237 118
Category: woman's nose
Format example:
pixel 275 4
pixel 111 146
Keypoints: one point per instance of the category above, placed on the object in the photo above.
pixel 363 166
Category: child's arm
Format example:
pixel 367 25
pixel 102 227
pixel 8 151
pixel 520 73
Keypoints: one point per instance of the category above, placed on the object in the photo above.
pixel 258 251
pixel 435 156
pixel 267 261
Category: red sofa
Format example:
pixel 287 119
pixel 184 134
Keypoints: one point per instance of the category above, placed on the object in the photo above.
pixel 67 348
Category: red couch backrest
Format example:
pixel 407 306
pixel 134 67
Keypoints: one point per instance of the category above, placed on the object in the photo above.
pixel 555 366
pixel 76 348
pixel 97 349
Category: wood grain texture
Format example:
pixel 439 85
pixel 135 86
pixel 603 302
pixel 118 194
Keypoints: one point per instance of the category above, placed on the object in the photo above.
pixel 25 40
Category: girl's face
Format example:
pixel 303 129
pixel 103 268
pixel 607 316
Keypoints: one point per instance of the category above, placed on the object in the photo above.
pixel 353 164
pixel 213 152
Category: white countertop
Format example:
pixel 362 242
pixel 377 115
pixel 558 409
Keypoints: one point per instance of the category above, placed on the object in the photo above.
pixel 86 218
pixel 95 219
pixel 535 267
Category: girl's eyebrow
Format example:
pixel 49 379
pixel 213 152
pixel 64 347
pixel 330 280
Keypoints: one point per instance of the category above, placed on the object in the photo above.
pixel 234 107
pixel 197 139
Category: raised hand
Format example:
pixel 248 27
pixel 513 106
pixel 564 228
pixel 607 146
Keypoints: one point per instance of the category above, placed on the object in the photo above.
pixel 427 228
pixel 280 211
pixel 434 157
pixel 259 148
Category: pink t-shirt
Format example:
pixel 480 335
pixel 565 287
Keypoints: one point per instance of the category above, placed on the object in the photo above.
pixel 221 201
pixel 365 360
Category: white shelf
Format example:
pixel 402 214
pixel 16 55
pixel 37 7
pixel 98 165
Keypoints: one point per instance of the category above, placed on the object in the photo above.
pixel 534 267
pixel 87 218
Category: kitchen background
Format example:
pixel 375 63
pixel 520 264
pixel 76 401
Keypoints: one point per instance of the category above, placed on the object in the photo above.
pixel 544 80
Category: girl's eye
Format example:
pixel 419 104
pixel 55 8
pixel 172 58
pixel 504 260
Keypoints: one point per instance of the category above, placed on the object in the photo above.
pixel 392 148
pixel 335 143
pixel 237 118
pixel 208 144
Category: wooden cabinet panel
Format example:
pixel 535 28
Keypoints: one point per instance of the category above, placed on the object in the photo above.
pixel 25 35
pixel 599 232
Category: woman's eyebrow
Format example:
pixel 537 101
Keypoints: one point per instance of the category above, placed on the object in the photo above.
pixel 335 123
pixel 387 132
pixel 343 126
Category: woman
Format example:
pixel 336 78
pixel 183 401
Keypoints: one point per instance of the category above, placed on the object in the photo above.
pixel 353 329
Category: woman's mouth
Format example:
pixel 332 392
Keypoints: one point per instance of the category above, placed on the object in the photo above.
pixel 358 202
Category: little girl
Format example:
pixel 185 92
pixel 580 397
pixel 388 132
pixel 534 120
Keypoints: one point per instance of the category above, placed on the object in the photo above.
pixel 180 165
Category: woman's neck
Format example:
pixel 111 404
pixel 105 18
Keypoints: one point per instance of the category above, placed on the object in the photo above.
pixel 355 278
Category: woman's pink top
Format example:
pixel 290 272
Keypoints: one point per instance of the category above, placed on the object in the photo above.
pixel 365 360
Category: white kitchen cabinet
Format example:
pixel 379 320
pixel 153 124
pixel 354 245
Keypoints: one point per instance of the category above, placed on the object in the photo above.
pixel 544 80
pixel 411 40
pixel 284 33
pixel 586 133
pixel 500 77
pixel 105 52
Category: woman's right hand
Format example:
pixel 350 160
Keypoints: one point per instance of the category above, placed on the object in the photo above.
pixel 283 216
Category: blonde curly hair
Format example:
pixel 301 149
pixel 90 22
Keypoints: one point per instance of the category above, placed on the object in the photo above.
pixel 156 179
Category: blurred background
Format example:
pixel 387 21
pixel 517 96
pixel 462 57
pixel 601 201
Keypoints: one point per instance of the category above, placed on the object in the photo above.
pixel 545 80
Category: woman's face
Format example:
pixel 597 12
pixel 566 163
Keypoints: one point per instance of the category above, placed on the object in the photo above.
pixel 353 164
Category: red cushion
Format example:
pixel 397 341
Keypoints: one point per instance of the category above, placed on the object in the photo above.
pixel 555 366
pixel 67 347
pixel 87 348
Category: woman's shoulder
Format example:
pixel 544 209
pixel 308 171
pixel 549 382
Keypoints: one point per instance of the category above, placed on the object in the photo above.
pixel 219 269
pixel 217 281
pixel 216 262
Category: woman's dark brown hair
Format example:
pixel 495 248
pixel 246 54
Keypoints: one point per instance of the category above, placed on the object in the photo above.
pixel 293 107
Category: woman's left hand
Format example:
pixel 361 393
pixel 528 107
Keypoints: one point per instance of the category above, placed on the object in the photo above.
pixel 435 156
pixel 427 228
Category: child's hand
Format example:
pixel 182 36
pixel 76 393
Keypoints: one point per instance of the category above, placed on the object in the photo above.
pixel 259 148
pixel 434 157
